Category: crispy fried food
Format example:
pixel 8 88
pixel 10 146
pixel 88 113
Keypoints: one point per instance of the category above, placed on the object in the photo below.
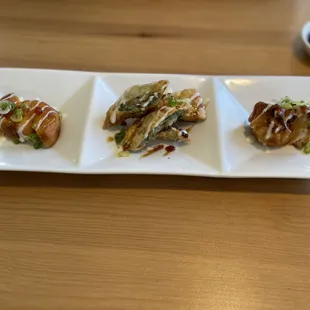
pixel 197 108
pixel 147 128
pixel 273 125
pixel 136 102
pixel 173 134
pixel 34 122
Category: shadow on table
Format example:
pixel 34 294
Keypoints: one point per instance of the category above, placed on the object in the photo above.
pixel 29 179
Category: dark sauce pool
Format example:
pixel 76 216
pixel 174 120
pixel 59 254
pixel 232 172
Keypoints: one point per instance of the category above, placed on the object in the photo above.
pixel 169 149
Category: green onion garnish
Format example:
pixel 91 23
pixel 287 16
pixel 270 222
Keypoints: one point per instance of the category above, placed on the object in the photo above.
pixel 172 101
pixel 3 105
pixel 287 106
pixel 16 119
pixel 25 106
pixel 19 112
pixel 287 103
pixel 119 137
pixel 35 140
pixel 16 141
pixel 7 105
pixel 307 148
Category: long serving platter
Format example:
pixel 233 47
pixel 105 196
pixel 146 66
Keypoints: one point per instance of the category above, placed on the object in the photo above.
pixel 221 146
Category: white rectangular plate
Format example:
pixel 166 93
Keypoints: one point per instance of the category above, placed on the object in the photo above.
pixel 219 146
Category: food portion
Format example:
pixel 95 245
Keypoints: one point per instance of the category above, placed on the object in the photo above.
pixel 286 122
pixel 197 107
pixel 29 121
pixel 136 101
pixel 148 127
pixel 157 115
pixel 173 134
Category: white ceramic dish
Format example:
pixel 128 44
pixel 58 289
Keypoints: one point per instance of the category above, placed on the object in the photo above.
pixel 219 146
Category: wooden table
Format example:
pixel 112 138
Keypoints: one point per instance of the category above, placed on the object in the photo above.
pixel 143 242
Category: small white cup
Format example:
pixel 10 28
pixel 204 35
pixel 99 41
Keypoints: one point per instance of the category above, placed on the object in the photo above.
pixel 305 35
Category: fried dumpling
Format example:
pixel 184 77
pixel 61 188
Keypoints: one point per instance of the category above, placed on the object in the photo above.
pixel 197 108
pixel 274 125
pixel 136 101
pixel 147 128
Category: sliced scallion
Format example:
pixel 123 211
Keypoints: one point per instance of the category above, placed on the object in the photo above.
pixel 19 112
pixel 119 137
pixel 35 140
pixel 6 107
pixel 16 141
pixel 307 148
pixel 25 106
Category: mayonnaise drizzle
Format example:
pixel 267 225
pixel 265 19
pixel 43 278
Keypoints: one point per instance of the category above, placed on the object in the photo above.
pixel 286 119
pixel 113 116
pixel 44 118
pixel 22 127
pixel 269 131
pixel 278 129
pixel 200 100
pixel 265 110
pixel 46 106
pixel 37 104
pixel 1 120
pixel 182 132
pixel 195 96
pixel 146 103
pixel 150 126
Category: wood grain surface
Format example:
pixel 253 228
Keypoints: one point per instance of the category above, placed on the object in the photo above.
pixel 143 242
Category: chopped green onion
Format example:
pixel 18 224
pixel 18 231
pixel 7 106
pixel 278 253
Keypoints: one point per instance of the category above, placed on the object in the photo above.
pixel 16 119
pixel 17 116
pixel 16 141
pixel 119 137
pixel 7 105
pixel 287 100
pixel 19 112
pixel 308 124
pixel 4 105
pixel 25 106
pixel 299 103
pixel 34 126
pixel 287 103
pixel 287 106
pixel 35 140
pixel 307 148
pixel 172 101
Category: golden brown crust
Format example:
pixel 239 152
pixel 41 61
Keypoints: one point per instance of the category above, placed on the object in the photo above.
pixel 136 100
pixel 38 118
pixel 273 125
pixel 197 108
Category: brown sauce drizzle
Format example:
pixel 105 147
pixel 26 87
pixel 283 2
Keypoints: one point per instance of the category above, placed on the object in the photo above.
pixel 6 96
pixel 169 149
pixel 153 150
